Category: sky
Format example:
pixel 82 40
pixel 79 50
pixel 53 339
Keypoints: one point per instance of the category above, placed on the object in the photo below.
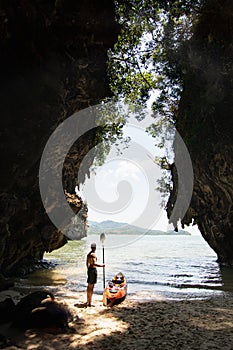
pixel 123 189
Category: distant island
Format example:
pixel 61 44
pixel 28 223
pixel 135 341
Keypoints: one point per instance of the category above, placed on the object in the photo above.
pixel 112 227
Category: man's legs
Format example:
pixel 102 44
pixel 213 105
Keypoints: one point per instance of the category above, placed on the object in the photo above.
pixel 90 288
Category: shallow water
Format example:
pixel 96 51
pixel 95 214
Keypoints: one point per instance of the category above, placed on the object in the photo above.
pixel 165 267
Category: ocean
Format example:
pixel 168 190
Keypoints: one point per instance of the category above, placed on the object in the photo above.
pixel 161 267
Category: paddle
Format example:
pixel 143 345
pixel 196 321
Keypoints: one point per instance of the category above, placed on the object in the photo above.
pixel 102 239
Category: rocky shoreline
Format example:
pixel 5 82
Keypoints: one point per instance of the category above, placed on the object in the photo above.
pixel 158 324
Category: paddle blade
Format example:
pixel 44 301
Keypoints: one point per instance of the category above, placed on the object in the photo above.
pixel 102 238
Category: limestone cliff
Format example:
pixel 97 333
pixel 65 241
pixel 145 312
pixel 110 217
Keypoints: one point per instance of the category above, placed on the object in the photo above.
pixel 206 125
pixel 52 63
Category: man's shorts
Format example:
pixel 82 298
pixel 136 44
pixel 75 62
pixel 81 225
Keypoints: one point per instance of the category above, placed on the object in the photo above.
pixel 92 275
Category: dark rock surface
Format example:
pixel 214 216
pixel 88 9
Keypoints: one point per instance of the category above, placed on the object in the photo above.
pixel 40 310
pixel 206 125
pixel 52 63
pixel 37 310
pixel 7 310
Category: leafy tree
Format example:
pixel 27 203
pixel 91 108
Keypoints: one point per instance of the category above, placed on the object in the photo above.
pixel 147 56
pixel 147 61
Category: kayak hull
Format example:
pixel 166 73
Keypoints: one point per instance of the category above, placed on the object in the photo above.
pixel 115 292
pixel 112 301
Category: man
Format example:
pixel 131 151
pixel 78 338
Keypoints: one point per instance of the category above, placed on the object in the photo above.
pixel 91 272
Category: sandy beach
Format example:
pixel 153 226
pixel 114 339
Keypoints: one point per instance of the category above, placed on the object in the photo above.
pixel 158 324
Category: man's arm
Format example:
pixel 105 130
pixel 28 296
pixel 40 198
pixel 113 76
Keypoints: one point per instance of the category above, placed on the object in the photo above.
pixel 92 261
pixel 98 265
pixel 95 262
pixel 89 261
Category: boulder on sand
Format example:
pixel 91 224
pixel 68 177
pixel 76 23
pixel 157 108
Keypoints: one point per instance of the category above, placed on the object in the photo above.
pixel 40 310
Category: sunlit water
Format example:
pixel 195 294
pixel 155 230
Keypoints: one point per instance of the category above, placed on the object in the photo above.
pixel 166 267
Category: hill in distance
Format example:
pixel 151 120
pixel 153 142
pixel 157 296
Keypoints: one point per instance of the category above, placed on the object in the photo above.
pixel 112 227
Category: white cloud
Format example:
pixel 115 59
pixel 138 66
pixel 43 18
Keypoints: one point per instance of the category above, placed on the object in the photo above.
pixel 127 169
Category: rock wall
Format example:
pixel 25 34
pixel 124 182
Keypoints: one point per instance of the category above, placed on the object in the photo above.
pixel 205 121
pixel 52 63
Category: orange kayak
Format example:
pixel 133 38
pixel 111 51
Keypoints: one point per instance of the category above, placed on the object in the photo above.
pixel 116 290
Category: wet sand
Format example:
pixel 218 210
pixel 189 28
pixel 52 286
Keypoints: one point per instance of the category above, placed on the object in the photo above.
pixel 135 325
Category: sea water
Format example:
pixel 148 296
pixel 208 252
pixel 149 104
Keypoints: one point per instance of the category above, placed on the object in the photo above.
pixel 158 266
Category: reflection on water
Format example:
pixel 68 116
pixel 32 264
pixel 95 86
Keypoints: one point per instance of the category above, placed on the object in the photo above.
pixel 227 278
pixel 45 277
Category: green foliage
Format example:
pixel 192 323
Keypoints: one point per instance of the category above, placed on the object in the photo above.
pixel 147 61
pixel 110 122
pixel 146 56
